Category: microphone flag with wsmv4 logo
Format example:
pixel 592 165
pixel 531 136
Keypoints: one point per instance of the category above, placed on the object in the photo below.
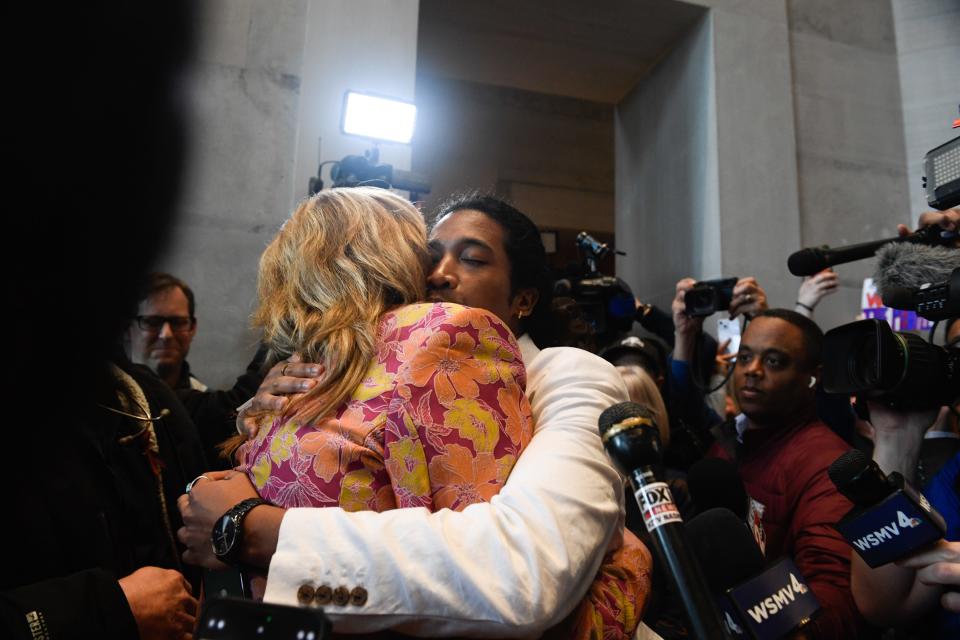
pixel 757 603
pixel 890 518
pixel 773 603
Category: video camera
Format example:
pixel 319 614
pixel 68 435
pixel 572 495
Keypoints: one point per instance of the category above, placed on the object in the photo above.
pixel 869 359
pixel 365 170
pixel 709 296
pixel 916 273
pixel 606 302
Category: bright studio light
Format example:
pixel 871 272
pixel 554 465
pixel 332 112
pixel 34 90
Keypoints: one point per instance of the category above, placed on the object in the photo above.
pixel 378 118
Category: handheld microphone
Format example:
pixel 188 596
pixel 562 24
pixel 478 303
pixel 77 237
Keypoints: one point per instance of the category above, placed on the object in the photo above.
pixel 629 434
pixel 715 483
pixel 890 519
pixel 811 260
pixel 757 604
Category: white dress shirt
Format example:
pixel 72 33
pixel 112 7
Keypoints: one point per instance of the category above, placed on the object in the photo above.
pixel 512 567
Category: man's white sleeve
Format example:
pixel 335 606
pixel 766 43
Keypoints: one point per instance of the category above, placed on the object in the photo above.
pixel 512 567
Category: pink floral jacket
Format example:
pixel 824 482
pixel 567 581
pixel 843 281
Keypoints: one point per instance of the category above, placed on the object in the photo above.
pixel 438 421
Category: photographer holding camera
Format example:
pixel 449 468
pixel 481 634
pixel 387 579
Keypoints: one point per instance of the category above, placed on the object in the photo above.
pixel 747 298
pixel 902 593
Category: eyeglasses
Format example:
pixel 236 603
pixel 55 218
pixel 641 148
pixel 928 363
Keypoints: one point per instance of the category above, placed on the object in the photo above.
pixel 154 324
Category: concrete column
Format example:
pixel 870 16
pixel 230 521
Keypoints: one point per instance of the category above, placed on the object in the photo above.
pixel 269 88
pixel 246 94
pixel 853 179
pixel 706 158
pixel 928 56
pixel 667 206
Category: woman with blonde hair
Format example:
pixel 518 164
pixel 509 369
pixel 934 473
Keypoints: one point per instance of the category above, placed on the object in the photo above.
pixel 643 390
pixel 420 405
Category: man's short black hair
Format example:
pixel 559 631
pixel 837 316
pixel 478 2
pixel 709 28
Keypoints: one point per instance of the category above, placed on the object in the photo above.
pixel 524 247
pixel 812 334
pixel 158 281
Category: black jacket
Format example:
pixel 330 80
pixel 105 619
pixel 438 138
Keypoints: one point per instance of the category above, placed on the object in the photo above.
pixel 83 510
pixel 215 412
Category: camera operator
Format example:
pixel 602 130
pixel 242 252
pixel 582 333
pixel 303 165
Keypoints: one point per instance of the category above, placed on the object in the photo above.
pixel 901 593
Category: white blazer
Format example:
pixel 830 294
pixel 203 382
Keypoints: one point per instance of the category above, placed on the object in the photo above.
pixel 512 567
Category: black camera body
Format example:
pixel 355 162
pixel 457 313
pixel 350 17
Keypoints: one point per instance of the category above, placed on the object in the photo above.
pixel 869 359
pixel 709 296
pixel 606 304
pixel 366 170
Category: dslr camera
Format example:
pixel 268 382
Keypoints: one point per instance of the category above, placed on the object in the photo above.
pixel 709 296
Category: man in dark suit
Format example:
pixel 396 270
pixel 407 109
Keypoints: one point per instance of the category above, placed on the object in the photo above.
pixel 94 451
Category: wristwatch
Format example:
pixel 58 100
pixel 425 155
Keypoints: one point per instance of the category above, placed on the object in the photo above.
pixel 227 535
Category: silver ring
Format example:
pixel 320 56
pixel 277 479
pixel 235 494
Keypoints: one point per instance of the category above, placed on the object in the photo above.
pixel 194 481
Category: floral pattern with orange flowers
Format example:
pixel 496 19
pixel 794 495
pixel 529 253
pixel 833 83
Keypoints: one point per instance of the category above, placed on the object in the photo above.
pixel 438 422
pixel 617 598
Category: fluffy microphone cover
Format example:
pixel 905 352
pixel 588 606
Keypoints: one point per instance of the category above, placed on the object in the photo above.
pixel 903 264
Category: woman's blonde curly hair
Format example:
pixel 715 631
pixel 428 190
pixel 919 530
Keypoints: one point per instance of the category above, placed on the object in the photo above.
pixel 344 258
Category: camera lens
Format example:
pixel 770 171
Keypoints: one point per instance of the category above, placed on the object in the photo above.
pixel 863 363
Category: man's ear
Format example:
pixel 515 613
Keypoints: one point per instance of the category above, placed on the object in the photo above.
pixel 815 376
pixel 523 302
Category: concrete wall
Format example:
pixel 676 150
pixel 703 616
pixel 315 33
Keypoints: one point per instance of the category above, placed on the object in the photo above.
pixel 247 91
pixel 928 55
pixel 666 173
pixel 750 98
pixel 809 142
pixel 361 45
pixel 804 137
pixel 269 86
pixel 551 155
pixel 849 129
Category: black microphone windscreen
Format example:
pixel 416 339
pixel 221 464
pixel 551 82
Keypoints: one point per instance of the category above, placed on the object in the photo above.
pixel 859 478
pixel 630 436
pixel 844 469
pixel 620 412
pixel 725 548
pixel 910 265
pixel 714 482
pixel 806 262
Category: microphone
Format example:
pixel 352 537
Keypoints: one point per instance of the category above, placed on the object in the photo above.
pixel 811 260
pixel 755 603
pixel 715 483
pixel 910 266
pixel 920 278
pixel 930 301
pixel 890 519
pixel 629 434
